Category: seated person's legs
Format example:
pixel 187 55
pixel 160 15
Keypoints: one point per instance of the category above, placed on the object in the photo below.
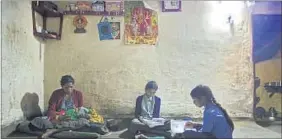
pixel 136 125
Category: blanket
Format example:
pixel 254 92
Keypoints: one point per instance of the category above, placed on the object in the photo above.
pixel 63 133
pixel 80 128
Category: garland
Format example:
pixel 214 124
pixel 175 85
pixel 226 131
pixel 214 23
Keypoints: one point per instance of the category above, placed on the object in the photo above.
pixel 80 21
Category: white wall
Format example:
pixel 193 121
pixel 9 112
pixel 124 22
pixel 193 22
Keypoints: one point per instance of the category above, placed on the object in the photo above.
pixel 22 60
pixel 196 46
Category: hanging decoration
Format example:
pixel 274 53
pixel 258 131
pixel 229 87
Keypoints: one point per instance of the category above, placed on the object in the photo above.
pixel 141 26
pixel 108 30
pixel 80 23
pixel 105 31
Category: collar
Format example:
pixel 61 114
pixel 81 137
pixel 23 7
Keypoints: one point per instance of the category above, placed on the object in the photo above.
pixel 209 105
pixel 149 98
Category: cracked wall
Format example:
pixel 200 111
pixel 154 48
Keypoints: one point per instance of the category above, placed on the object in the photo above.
pixel 192 50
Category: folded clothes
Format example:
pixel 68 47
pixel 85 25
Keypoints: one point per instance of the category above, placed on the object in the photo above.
pixel 72 114
pixel 87 113
pixel 95 117
pixel 42 123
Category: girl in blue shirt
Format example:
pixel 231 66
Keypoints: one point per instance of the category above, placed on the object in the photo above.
pixel 216 121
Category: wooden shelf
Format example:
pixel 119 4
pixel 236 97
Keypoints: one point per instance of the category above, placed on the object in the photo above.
pixel 47 35
pixel 93 13
pixel 43 11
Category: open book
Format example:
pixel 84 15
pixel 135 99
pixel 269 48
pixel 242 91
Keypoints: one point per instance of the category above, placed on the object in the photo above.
pixel 154 122
pixel 178 126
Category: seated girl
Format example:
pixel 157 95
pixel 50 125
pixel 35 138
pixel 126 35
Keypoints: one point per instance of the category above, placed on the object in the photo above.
pixel 147 108
pixel 216 122
pixel 148 105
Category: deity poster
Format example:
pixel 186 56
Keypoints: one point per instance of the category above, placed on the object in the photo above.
pixel 141 26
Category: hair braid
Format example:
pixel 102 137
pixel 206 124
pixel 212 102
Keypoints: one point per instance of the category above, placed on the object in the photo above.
pixel 229 120
pixel 202 90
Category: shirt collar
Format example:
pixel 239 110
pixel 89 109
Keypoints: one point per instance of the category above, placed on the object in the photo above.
pixel 209 105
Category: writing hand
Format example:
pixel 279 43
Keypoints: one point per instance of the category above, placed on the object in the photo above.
pixel 189 124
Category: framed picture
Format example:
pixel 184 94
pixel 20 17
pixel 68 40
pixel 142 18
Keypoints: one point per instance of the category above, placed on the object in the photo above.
pixel 84 5
pixel 171 6
pixel 115 30
pixel 98 6
pixel 80 23
pixel 114 6
pixel 141 26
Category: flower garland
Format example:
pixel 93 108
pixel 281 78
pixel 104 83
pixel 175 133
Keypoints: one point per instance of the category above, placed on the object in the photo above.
pixel 80 21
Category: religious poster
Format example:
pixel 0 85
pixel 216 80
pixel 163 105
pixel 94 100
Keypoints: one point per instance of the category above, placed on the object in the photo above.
pixel 115 30
pixel 141 26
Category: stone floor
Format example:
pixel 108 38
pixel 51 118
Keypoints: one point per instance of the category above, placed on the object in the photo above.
pixel 243 129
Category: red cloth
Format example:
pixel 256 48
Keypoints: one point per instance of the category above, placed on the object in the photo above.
pixel 56 99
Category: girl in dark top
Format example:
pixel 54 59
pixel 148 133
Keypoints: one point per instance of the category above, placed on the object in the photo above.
pixel 216 121
pixel 148 107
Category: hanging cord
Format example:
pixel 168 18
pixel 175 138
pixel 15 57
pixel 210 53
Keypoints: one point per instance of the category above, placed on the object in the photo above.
pixel 104 18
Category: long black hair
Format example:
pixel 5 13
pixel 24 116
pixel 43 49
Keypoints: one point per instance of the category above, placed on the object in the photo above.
pixel 202 90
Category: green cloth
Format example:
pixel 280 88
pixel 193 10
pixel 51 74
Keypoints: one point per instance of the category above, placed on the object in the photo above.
pixel 72 114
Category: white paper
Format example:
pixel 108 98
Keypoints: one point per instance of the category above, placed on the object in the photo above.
pixel 177 126
pixel 154 122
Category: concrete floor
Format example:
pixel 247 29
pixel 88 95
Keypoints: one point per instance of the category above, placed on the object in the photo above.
pixel 249 129
pixel 276 127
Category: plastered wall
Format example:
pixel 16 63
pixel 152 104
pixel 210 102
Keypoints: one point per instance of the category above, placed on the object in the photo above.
pixel 196 46
pixel 22 62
